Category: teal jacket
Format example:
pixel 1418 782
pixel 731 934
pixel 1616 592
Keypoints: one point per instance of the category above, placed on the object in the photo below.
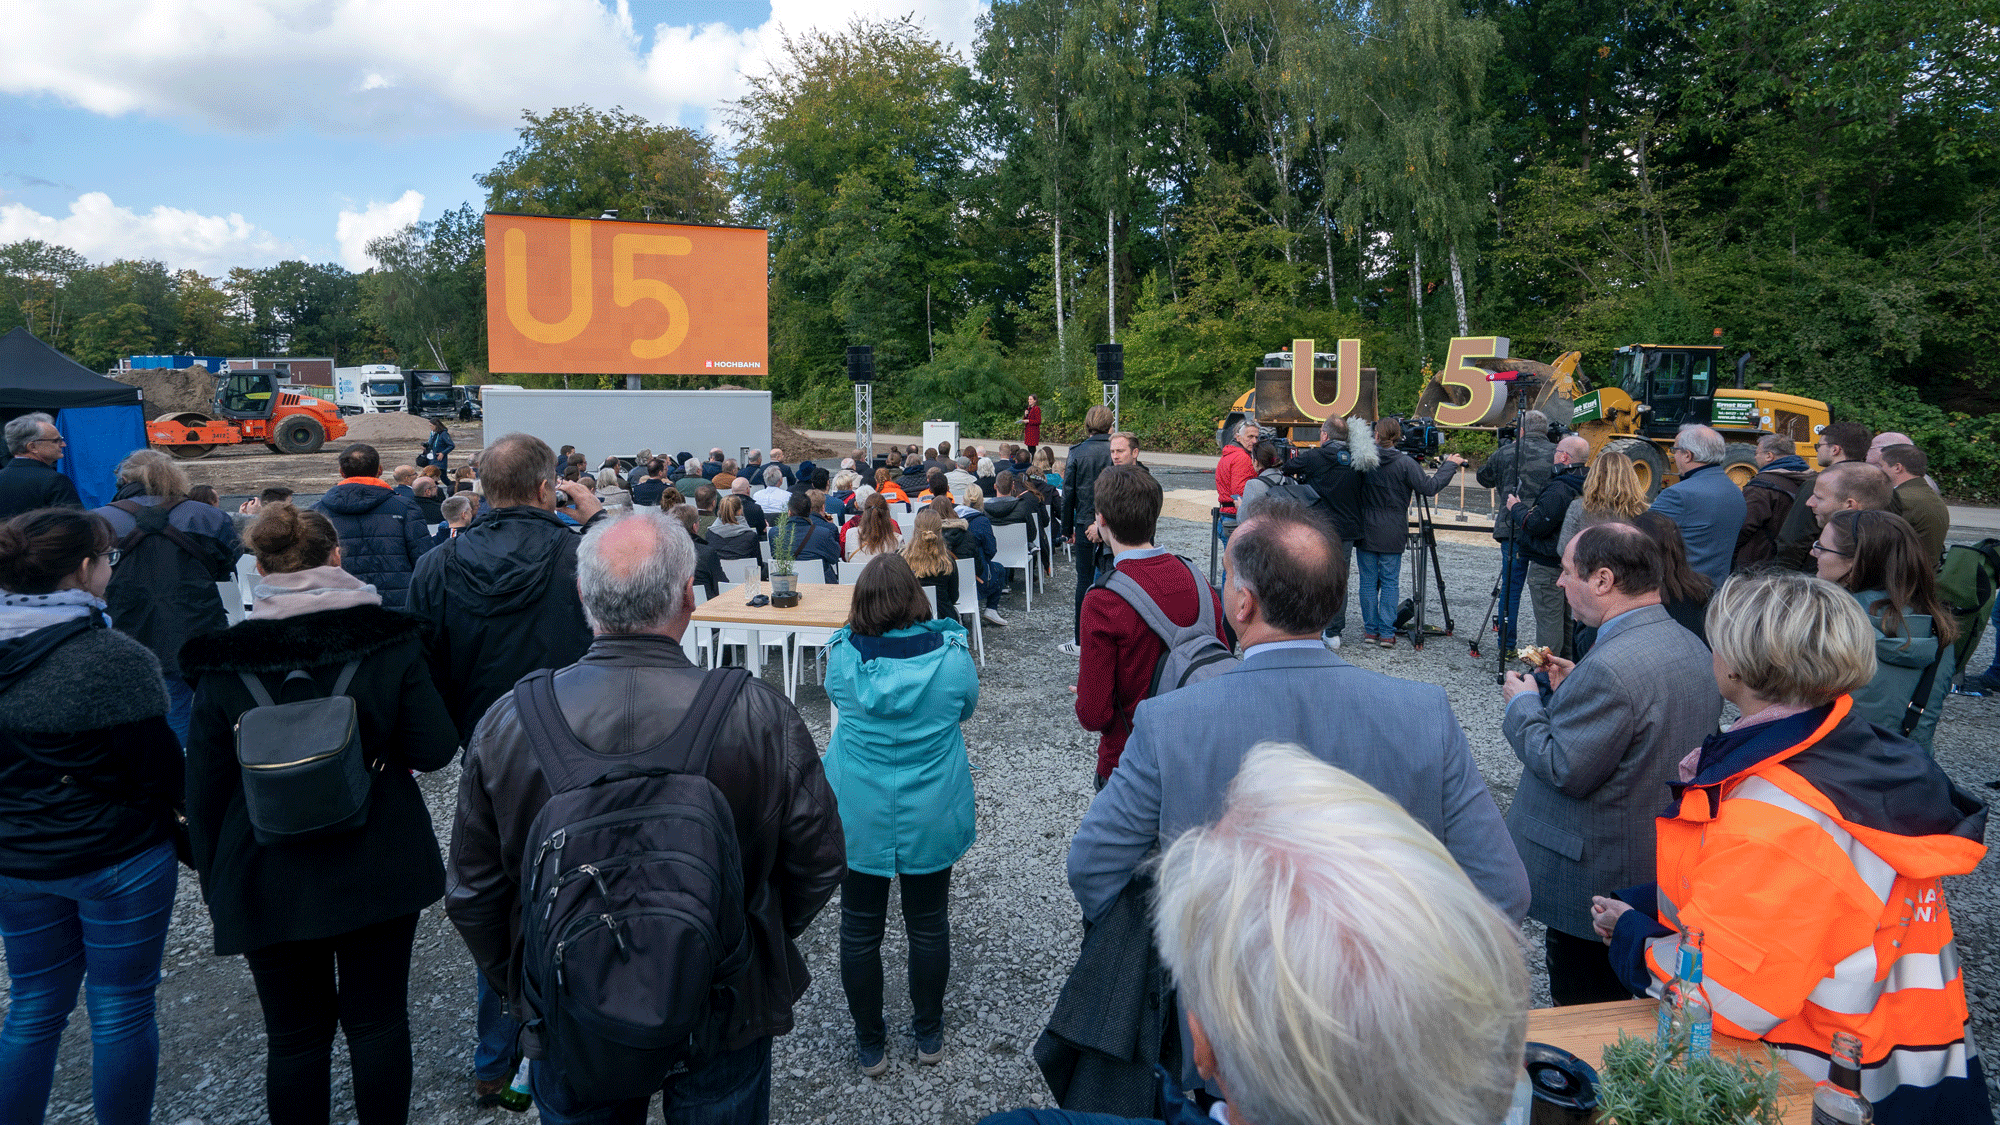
pixel 897 761
pixel 1900 661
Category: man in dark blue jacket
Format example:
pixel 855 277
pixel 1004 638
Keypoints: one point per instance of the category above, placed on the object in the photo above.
pixel 382 534
pixel 816 539
pixel 30 479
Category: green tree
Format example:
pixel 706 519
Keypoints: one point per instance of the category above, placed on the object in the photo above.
pixel 428 298
pixel 581 161
pixel 104 337
pixel 855 153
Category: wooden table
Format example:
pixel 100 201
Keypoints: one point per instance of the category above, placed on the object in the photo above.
pixel 1584 1029
pixel 822 609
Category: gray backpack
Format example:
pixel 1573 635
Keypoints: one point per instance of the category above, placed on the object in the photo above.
pixel 304 773
pixel 1193 651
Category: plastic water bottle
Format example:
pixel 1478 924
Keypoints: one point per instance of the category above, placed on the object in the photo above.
pixel 516 1096
pixel 1837 1099
pixel 1685 1010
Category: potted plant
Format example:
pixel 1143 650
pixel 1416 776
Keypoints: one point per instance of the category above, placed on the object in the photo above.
pixel 784 563
pixel 1646 1082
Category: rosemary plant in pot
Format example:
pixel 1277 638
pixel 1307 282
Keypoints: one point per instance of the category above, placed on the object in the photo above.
pixel 784 561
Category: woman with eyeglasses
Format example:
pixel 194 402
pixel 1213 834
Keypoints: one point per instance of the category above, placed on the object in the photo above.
pixel 1877 557
pixel 90 778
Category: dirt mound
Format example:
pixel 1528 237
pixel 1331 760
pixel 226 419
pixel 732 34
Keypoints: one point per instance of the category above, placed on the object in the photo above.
pixel 797 446
pixel 376 429
pixel 172 391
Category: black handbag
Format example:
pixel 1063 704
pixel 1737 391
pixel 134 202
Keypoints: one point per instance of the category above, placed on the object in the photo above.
pixel 305 775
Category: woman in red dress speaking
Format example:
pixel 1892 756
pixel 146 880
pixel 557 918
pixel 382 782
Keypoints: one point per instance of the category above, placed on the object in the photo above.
pixel 1031 425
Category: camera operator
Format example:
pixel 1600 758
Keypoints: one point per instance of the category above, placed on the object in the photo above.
pixel 1385 527
pixel 1520 467
pixel 1537 535
pixel 1335 469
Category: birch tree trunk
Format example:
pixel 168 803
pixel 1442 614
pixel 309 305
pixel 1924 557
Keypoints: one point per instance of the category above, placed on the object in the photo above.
pixel 1110 273
pixel 1062 349
pixel 1417 294
pixel 1458 291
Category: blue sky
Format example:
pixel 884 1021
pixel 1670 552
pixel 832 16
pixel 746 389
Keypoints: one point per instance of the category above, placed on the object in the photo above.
pixel 220 133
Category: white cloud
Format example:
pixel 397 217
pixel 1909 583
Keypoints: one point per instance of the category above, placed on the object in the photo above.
pixel 395 68
pixel 101 230
pixel 354 230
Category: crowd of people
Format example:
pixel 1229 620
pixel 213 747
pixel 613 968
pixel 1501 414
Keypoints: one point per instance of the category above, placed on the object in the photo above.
pixel 1328 897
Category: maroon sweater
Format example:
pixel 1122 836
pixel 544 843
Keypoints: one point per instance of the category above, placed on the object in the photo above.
pixel 1120 651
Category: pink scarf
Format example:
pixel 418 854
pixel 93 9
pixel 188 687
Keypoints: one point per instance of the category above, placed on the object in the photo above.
pixel 278 596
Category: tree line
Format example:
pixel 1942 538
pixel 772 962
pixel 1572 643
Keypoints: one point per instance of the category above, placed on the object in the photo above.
pixel 1203 180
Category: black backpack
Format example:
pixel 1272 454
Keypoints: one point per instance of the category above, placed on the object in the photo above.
pixel 305 774
pixel 1193 652
pixel 632 914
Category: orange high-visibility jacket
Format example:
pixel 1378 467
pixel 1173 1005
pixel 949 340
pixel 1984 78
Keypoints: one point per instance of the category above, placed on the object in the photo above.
pixel 1813 876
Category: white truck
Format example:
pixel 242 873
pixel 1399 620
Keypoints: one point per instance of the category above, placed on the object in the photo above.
pixel 621 423
pixel 372 388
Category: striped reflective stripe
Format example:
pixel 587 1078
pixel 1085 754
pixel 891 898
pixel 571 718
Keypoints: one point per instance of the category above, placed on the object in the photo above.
pixel 1872 869
pixel 1853 989
pixel 1669 913
pixel 1736 1009
pixel 1904 1066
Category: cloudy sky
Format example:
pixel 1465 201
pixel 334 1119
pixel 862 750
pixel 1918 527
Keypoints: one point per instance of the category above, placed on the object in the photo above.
pixel 219 133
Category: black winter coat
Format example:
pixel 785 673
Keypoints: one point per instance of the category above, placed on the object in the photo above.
pixel 1537 463
pixel 1385 500
pixel 28 483
pixel 382 535
pixel 161 594
pixel 1087 459
pixel 1538 526
pixel 1330 471
pixel 89 770
pixel 258 896
pixel 500 601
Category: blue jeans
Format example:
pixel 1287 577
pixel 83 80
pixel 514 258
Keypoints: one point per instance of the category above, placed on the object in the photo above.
pixel 733 1088
pixel 1381 589
pixel 496 1055
pixel 1993 670
pixel 1513 577
pixel 180 706
pixel 106 931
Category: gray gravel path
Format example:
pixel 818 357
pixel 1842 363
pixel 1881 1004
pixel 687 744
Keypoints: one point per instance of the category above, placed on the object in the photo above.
pixel 1015 927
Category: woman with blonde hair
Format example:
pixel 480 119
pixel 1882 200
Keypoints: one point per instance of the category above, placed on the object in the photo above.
pixel 731 537
pixel 1611 491
pixel 1806 841
pixel 872 532
pixel 931 559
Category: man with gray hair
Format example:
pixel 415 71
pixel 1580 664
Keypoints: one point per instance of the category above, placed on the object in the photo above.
pixel 1320 939
pixel 30 479
pixel 1705 504
pixel 1537 535
pixel 1520 467
pixel 623 706
pixel 774 496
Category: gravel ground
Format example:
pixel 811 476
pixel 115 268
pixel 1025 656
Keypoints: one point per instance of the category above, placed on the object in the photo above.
pixel 1015 927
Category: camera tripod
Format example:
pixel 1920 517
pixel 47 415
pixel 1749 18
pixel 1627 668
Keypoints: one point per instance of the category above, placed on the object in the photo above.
pixel 1413 615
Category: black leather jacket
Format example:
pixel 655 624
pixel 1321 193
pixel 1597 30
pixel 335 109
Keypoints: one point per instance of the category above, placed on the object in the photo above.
pixel 627 693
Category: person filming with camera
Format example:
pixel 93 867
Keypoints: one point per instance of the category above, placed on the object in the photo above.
pixel 1385 527
pixel 1521 467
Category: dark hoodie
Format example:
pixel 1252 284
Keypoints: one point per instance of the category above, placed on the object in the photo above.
pixel 1767 500
pixel 501 602
pixel 382 535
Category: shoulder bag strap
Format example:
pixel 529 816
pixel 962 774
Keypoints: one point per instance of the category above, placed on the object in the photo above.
pixel 346 677
pixel 1148 610
pixel 257 690
pixel 549 734
pixel 718 692
pixel 167 530
pixel 1920 700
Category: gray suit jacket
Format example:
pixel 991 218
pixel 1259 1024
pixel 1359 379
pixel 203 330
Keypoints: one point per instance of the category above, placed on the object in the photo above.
pixel 1401 737
pixel 1596 757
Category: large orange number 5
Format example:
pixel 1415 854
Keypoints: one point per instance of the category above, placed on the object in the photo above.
pixel 1485 401
pixel 628 290
pixel 515 246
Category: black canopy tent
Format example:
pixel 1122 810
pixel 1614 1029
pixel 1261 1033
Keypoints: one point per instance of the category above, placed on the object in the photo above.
pixel 102 419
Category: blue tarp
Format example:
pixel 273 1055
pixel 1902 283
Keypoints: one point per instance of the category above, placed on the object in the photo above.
pixel 99 437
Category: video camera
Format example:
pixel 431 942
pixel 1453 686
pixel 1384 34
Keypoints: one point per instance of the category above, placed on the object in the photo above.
pixel 1422 438
pixel 1557 431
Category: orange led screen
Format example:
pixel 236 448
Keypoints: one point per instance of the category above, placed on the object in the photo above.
pixel 601 296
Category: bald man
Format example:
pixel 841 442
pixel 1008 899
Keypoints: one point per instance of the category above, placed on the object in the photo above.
pixel 1538 535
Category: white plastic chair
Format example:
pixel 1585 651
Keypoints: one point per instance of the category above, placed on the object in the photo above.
pixel 968 596
pixel 850 572
pixel 739 572
pixel 1017 552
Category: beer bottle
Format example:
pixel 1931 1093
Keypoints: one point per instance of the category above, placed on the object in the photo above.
pixel 1837 1098
pixel 516 1096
